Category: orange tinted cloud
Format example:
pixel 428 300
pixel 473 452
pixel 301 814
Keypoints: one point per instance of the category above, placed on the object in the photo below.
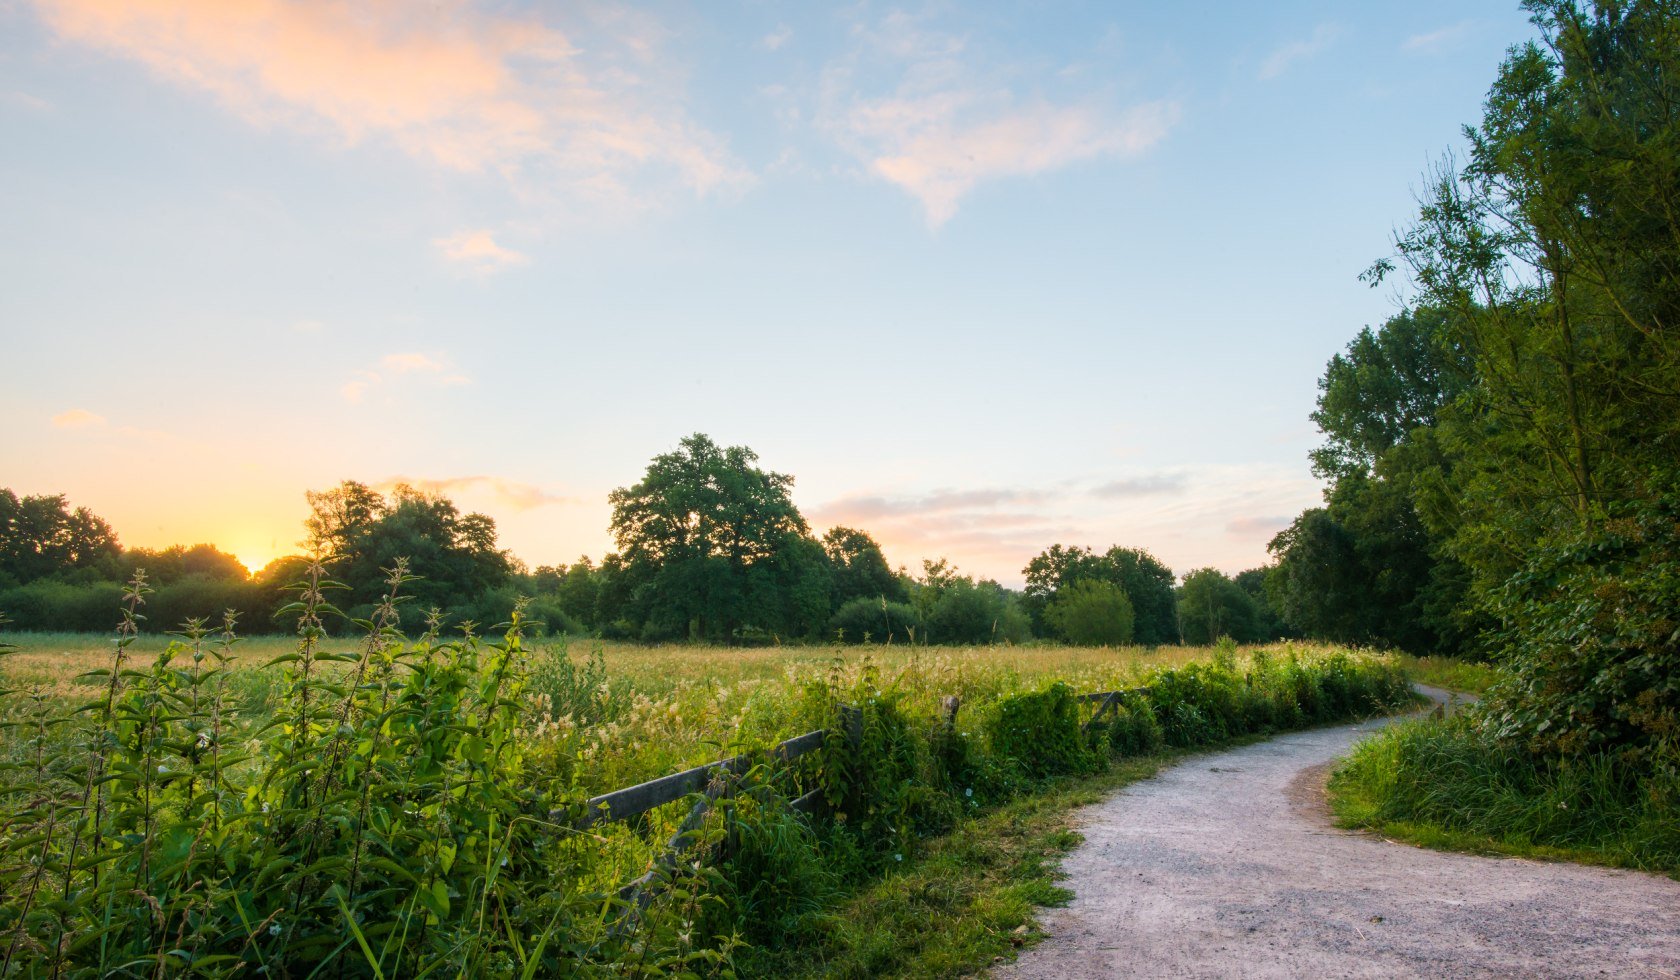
pixel 478 251
pixel 77 418
pixel 462 88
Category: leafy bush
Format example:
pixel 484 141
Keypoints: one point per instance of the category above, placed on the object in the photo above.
pixel 49 605
pixel 874 620
pixel 1091 613
pixel 1039 733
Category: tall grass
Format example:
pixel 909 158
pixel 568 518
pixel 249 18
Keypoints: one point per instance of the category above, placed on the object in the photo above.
pixel 1452 784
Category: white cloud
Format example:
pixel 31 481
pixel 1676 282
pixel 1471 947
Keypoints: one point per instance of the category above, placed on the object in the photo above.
pixel 936 151
pixel 953 121
pixel 1436 41
pixel 479 251
pixel 77 418
pixel 428 369
pixel 774 40
pixel 454 85
pixel 1284 57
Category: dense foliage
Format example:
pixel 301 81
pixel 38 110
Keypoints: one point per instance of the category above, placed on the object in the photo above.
pixel 1507 454
pixel 1504 453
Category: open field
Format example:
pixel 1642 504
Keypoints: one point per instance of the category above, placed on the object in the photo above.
pixel 635 711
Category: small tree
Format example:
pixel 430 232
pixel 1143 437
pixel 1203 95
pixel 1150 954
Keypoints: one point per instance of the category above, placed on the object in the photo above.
pixel 1092 613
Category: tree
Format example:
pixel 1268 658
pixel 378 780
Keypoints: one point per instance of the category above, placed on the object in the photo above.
pixel 1268 626
pixel 453 557
pixel 1554 252
pixel 1092 613
pixel 859 568
pixel 40 537
pixel 712 545
pixel 1148 585
pixel 1210 605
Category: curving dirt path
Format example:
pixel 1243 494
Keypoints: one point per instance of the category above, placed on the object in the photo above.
pixel 1228 866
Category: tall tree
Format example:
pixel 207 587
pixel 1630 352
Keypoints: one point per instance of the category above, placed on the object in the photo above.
pixel 1554 248
pixel 1210 606
pixel 40 536
pixel 859 568
pixel 453 556
pixel 712 544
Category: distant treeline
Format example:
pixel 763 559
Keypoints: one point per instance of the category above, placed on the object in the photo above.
pixel 710 548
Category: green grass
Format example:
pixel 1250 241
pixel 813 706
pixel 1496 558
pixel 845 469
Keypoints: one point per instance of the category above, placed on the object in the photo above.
pixel 1450 673
pixel 970 900
pixel 1448 786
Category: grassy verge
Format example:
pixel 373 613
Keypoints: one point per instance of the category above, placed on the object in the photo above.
pixel 971 898
pixel 1446 785
pixel 1450 673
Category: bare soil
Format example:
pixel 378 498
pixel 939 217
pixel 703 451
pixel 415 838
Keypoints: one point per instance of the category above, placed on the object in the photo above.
pixel 1228 866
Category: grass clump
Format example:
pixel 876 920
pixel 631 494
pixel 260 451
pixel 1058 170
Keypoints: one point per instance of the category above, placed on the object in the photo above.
pixel 1455 786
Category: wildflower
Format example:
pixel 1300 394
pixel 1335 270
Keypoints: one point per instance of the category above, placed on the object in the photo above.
pixel 274 929
pixel 969 791
pixel 898 857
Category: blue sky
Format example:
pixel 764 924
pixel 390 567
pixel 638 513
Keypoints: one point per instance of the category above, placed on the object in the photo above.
pixel 983 277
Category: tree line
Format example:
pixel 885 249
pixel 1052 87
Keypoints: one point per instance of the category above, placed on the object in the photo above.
pixel 710 548
pixel 1503 454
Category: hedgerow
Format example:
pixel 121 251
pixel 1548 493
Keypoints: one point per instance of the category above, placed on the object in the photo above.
pixel 416 804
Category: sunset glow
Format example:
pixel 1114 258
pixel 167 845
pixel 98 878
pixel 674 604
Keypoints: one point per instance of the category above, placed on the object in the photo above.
pixel 982 282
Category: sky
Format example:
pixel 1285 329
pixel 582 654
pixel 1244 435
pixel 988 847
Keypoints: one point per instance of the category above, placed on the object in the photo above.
pixel 983 277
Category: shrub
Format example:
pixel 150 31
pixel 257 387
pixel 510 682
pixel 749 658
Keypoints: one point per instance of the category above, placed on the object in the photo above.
pixel 1039 733
pixel 1092 613
pixel 874 620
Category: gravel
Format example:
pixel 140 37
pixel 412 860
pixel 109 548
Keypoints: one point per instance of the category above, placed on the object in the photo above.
pixel 1227 865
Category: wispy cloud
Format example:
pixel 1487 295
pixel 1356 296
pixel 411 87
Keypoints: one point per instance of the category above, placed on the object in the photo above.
pixel 1248 527
pixel 77 418
pixel 1433 42
pixel 1153 484
pixel 454 85
pixel 23 100
pixel 952 121
pixel 984 529
pixel 774 40
pixel 431 369
pixel 510 494
pixel 478 251
pixel 938 502
pixel 1284 57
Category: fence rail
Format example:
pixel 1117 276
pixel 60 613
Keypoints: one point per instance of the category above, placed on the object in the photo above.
pixel 713 781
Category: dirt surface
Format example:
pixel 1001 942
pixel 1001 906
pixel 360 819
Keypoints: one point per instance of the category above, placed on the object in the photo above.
pixel 1228 866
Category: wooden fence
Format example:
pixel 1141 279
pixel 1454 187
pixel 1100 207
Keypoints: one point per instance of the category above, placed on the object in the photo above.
pixel 713 781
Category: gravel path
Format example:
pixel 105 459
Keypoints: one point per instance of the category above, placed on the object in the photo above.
pixel 1228 866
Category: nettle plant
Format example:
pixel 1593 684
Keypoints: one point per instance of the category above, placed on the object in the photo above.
pixel 387 819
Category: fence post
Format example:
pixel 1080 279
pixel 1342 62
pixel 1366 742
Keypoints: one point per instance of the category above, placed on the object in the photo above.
pixel 852 720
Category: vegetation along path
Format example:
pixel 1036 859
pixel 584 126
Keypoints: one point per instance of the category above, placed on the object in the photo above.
pixel 1228 865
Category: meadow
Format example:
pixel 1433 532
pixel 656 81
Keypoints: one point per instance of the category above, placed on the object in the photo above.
pixel 395 805
pixel 639 711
